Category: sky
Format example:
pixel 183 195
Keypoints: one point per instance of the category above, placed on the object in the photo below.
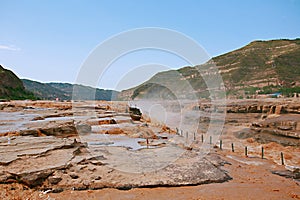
pixel 49 40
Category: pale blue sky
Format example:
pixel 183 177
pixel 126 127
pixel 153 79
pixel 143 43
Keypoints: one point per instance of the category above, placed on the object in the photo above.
pixel 49 40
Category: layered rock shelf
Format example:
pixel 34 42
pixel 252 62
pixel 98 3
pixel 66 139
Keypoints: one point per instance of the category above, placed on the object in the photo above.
pixel 59 146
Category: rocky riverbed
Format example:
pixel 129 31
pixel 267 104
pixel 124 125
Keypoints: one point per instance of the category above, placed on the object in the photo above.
pixel 56 147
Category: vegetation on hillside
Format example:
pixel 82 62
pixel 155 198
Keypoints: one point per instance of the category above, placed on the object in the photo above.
pixel 11 87
pixel 67 91
pixel 261 67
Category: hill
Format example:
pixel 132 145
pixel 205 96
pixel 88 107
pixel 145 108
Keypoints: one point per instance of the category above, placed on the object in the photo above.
pixel 11 87
pixel 44 91
pixel 64 91
pixel 85 92
pixel 261 67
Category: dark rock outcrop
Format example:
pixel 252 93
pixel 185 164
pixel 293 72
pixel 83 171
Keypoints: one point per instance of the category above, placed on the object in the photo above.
pixel 295 174
pixel 11 87
pixel 283 129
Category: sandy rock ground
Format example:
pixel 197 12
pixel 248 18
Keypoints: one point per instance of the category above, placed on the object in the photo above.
pixel 251 179
pixel 65 150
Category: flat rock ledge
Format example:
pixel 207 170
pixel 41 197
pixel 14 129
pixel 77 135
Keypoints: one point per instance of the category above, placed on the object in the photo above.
pixel 55 164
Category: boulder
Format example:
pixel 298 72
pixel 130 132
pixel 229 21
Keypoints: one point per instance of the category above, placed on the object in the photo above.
pixel 83 128
pixel 54 180
pixel 60 131
pixel 295 174
pixel 34 179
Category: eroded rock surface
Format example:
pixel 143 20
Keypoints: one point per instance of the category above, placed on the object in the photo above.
pixel 63 163
pixel 94 147
pixel 59 149
pixel 283 129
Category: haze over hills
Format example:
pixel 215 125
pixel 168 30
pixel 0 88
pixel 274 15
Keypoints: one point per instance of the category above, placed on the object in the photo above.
pixel 64 91
pixel 261 67
pixel 13 88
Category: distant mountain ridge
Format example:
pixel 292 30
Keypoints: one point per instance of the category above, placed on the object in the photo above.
pixel 11 87
pixel 260 67
pixel 64 91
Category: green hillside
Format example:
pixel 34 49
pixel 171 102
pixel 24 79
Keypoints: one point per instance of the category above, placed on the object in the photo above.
pixel 11 87
pixel 64 91
pixel 260 67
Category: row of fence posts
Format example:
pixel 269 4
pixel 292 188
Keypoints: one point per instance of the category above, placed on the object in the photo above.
pixel 263 153
pixel 180 133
